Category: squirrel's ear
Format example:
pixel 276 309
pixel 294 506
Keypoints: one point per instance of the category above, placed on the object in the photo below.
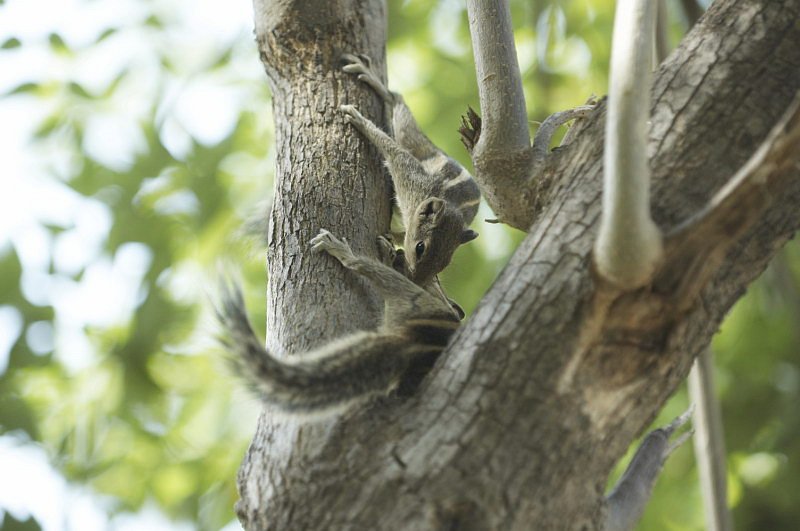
pixel 468 235
pixel 432 206
pixel 458 309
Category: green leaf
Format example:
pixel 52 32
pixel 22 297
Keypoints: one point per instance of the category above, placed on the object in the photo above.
pixel 154 22
pixel 223 59
pixel 24 88
pixel 15 413
pixel 11 43
pixel 106 34
pixel 9 523
pixel 47 126
pixel 112 87
pixel 78 90
pixel 57 43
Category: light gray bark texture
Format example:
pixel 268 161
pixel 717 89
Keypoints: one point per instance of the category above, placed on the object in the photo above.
pixel 553 376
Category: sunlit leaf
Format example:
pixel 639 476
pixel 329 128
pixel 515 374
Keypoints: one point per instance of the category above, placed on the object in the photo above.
pixel 9 523
pixel 106 34
pixel 154 22
pixel 78 90
pixel 222 60
pixel 114 85
pixel 47 126
pixel 24 88
pixel 11 43
pixel 57 43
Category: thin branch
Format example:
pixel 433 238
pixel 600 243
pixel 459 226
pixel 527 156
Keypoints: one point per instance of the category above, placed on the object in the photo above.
pixel 709 444
pixel 504 115
pixel 630 495
pixel 628 248
pixel 697 247
pixel 544 135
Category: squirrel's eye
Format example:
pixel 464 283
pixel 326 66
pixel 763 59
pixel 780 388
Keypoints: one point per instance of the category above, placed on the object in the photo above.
pixel 420 248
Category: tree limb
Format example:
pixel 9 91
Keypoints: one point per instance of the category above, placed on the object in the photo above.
pixel 508 168
pixel 709 444
pixel 502 153
pixel 628 248
pixel 504 114
pixel 627 501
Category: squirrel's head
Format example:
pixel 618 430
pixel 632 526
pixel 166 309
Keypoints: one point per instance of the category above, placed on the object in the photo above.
pixel 432 237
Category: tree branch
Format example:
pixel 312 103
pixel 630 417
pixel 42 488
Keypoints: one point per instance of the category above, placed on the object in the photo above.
pixel 502 153
pixel 709 444
pixel 509 170
pixel 541 141
pixel 628 247
pixel 504 115
pixel 627 501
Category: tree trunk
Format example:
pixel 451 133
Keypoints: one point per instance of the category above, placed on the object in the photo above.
pixel 554 375
pixel 326 177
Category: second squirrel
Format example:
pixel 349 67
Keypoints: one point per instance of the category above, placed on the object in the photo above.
pixel 437 197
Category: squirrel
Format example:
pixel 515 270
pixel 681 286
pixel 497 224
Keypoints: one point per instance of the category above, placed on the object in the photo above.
pixel 437 199
pixel 417 325
pixel 436 196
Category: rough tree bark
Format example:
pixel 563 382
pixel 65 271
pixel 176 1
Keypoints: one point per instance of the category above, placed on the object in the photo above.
pixel 325 177
pixel 555 373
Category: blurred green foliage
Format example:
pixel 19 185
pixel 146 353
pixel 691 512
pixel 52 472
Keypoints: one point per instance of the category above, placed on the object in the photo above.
pixel 150 413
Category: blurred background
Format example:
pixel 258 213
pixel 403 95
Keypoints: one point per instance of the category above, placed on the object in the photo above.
pixel 136 140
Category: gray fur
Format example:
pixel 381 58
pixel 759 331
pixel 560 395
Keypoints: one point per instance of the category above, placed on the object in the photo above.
pixel 416 328
pixel 436 196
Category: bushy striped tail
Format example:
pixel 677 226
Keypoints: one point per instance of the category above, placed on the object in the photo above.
pixel 350 369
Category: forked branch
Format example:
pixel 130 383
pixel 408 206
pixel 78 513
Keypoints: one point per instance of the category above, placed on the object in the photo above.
pixel 508 168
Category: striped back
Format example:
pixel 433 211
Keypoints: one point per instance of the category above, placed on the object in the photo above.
pixel 460 189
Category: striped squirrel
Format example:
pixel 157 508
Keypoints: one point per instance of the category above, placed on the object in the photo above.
pixel 416 327
pixel 436 196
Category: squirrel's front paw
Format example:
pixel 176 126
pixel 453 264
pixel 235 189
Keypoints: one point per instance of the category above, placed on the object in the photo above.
pixel 327 242
pixel 386 249
pixel 351 114
pixel 356 63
